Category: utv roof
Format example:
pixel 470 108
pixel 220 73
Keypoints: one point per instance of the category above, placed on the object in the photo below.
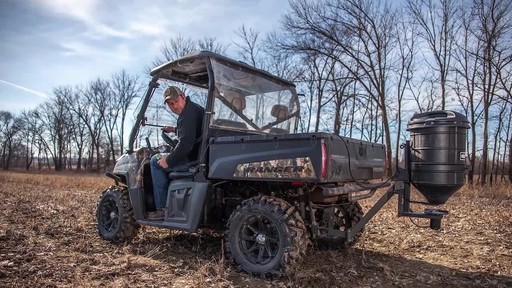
pixel 192 69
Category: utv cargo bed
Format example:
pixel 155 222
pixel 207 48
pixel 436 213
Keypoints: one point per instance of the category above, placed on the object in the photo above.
pixel 308 157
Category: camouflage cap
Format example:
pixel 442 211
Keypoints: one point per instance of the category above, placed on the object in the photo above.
pixel 171 93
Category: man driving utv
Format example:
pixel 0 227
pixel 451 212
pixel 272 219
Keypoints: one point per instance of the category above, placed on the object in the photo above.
pixel 188 129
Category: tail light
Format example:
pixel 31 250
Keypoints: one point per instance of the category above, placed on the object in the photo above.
pixel 323 174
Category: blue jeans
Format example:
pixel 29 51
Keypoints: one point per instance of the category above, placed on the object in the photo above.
pixel 160 179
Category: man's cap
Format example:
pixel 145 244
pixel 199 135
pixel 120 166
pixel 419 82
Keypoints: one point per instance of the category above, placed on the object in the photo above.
pixel 171 93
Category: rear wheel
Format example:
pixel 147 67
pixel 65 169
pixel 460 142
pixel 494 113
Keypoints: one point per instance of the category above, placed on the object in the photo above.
pixel 353 213
pixel 344 217
pixel 114 215
pixel 265 236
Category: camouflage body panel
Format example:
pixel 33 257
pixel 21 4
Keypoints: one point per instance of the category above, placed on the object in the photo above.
pixel 295 157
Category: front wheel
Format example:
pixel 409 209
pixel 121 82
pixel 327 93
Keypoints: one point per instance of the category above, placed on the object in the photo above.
pixel 265 236
pixel 114 215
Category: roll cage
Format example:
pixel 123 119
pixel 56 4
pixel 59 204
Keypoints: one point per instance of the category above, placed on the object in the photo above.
pixel 240 98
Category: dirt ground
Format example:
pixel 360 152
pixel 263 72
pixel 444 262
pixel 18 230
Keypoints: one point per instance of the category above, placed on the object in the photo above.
pixel 48 238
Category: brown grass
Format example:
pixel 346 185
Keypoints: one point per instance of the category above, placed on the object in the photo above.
pixel 67 180
pixel 501 190
pixel 48 238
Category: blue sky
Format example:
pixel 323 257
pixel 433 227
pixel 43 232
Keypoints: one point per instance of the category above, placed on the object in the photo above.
pixel 49 43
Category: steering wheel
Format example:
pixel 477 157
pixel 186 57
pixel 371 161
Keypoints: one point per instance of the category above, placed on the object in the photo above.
pixel 151 149
pixel 170 141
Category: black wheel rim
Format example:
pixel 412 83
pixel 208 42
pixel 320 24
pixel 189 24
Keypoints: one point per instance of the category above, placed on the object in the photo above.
pixel 109 215
pixel 259 240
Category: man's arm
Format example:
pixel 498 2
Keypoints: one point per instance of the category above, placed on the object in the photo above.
pixel 187 138
pixel 168 129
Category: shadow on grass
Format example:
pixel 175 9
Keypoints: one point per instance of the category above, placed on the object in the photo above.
pixel 351 267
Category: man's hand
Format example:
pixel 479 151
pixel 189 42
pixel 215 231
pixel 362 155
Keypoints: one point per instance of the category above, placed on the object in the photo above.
pixel 163 163
pixel 169 129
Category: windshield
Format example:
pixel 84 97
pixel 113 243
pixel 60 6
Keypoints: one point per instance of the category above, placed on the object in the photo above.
pixel 246 101
pixel 158 115
pixel 243 100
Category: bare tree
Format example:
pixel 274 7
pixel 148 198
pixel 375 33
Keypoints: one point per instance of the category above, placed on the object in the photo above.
pixel 496 149
pixel 510 158
pixel 175 48
pixel 125 89
pixel 494 22
pixel 423 94
pixel 467 68
pixel 97 96
pixel 321 69
pixel 180 46
pixel 9 128
pixel 110 119
pixel 30 135
pixel 250 46
pixel 55 129
pixel 211 44
pixel 363 31
pixel 89 104
pixel 341 85
pixel 505 76
pixel 508 135
pixel 438 24
pixel 407 47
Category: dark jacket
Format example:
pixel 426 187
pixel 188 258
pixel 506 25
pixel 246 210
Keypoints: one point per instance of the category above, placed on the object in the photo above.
pixel 188 129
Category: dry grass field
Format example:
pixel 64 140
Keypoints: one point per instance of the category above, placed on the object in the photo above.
pixel 48 238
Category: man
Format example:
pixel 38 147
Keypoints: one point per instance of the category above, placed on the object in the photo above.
pixel 188 129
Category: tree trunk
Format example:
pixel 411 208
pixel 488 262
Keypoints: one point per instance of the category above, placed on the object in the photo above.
pixel 495 163
pixel 48 161
pixel 507 145
pixel 39 163
pixel 472 155
pixel 98 158
pixel 510 160
pixel 337 110
pixel 121 137
pixel 318 109
pixel 353 112
pixel 389 161
pixel 387 136
pixel 9 156
pixel 399 130
pixel 79 160
pixel 485 151
pixel 90 157
pixel 443 90
pixel 4 154
pixel 112 150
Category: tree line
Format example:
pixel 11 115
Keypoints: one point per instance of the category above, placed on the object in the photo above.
pixel 363 68
pixel 77 128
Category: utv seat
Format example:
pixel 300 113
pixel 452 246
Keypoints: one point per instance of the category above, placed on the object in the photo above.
pixel 188 170
pixel 229 123
pixel 275 130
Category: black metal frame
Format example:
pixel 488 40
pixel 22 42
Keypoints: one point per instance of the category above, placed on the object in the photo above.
pixel 402 188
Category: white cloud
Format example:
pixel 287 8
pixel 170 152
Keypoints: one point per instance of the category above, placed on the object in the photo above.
pixel 145 28
pixel 75 48
pixel 101 31
pixel 84 11
pixel 119 52
pixel 40 94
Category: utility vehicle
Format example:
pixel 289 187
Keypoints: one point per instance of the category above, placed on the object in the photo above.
pixel 272 191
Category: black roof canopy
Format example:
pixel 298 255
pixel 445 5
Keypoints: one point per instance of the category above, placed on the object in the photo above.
pixel 192 69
